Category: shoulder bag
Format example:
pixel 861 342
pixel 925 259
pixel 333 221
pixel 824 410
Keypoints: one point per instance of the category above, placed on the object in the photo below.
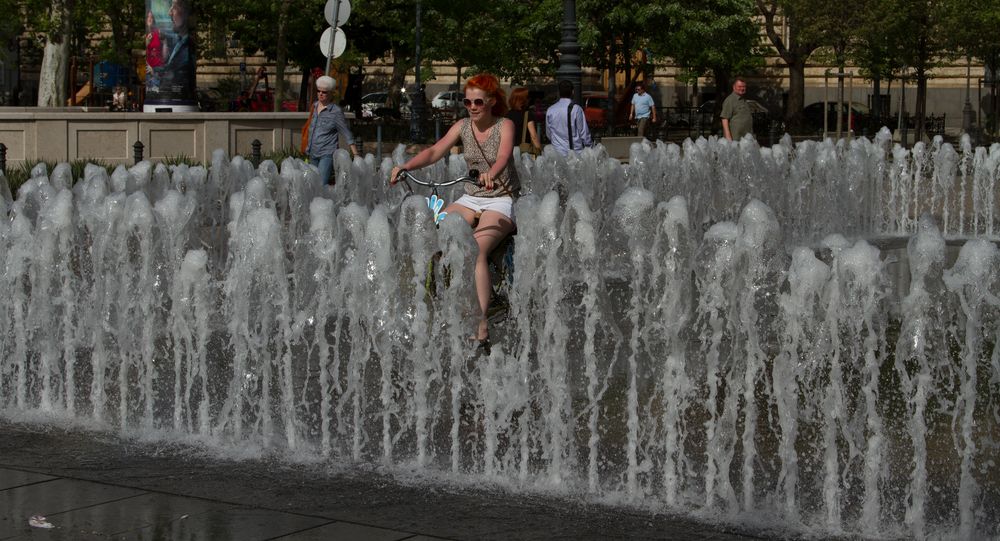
pixel 526 146
pixel 569 125
pixel 304 144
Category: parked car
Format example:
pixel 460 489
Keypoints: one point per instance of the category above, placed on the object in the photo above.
pixel 449 99
pixel 595 108
pixel 373 105
pixel 812 116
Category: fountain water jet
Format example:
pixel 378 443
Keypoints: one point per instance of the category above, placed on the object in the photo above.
pixel 714 329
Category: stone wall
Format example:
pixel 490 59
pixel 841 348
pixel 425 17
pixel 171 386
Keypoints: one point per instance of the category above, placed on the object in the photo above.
pixel 35 134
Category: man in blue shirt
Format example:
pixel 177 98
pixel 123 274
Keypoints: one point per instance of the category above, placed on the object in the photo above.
pixel 326 123
pixel 643 109
pixel 565 124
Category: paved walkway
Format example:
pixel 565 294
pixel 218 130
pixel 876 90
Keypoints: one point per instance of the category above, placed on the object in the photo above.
pixel 91 486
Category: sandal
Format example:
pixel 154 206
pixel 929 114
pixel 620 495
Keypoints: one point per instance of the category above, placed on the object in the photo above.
pixel 482 345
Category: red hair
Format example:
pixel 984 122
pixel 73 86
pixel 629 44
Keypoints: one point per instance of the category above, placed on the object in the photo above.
pixel 518 99
pixel 489 84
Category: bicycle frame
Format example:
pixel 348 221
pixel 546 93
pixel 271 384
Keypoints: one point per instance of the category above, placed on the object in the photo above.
pixel 434 202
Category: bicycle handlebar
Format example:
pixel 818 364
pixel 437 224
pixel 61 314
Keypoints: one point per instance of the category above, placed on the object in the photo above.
pixel 472 177
pixel 406 176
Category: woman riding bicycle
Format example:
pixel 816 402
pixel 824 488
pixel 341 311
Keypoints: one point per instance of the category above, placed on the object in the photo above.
pixel 488 142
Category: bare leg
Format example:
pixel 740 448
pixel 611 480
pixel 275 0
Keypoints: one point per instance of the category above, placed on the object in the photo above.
pixel 492 228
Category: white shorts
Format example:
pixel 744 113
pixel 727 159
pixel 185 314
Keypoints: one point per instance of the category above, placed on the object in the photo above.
pixel 504 205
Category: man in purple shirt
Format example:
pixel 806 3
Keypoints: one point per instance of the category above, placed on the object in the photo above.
pixel 565 124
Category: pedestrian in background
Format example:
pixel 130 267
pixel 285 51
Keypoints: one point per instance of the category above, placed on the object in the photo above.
pixel 324 127
pixel 737 117
pixel 643 109
pixel 525 132
pixel 565 124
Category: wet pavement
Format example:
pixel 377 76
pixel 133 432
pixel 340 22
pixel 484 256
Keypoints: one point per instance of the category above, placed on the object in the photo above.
pixel 93 485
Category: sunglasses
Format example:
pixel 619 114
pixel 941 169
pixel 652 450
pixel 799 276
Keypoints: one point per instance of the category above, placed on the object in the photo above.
pixel 478 102
pixel 322 91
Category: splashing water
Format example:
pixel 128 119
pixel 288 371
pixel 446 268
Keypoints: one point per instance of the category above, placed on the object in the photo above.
pixel 733 332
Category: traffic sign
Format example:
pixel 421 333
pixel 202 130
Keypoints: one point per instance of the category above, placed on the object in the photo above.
pixel 342 16
pixel 339 43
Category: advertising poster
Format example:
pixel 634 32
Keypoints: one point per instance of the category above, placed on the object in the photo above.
pixel 170 57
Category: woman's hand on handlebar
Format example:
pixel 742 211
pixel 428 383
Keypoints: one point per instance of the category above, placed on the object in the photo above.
pixel 394 175
pixel 486 180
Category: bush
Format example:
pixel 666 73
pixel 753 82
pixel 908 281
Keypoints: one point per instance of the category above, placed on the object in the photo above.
pixel 22 173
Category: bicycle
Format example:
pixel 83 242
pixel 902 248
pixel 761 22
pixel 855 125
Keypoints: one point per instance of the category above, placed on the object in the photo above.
pixel 501 259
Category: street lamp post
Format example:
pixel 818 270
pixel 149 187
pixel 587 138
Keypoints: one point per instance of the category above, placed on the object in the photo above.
pixel 417 100
pixel 569 49
pixel 967 115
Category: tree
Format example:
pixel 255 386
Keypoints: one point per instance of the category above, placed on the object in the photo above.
pixel 714 37
pixel 520 42
pixel 874 47
pixel 805 29
pixel 921 44
pixel 612 33
pixel 54 24
pixel 125 22
pixel 970 27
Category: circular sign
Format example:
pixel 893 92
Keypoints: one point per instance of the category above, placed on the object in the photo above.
pixel 339 43
pixel 344 14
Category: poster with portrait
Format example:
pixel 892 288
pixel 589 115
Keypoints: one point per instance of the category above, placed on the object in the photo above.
pixel 170 56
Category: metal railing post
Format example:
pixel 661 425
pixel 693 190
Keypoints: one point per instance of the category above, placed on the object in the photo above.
pixel 255 153
pixel 137 151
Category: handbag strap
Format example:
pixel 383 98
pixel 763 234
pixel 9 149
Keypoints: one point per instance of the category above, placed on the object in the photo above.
pixel 483 152
pixel 524 127
pixel 310 127
pixel 569 124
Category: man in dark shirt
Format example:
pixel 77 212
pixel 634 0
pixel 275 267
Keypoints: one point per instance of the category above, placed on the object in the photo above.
pixel 737 117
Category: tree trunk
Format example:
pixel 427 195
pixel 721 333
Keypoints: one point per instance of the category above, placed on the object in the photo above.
pixel 877 103
pixel 627 59
pixel 843 109
pixel 52 75
pixel 305 88
pixel 920 107
pixel 281 58
pixel 613 85
pixel 401 63
pixel 55 59
pixel 794 53
pixel 796 94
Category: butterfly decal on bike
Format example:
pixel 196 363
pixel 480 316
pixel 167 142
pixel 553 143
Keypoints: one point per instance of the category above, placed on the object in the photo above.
pixel 435 203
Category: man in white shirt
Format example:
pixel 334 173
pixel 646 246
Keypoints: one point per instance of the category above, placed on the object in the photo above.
pixel 565 123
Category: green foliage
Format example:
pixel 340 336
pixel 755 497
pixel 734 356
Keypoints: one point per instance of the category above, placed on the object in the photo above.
pixel 278 155
pixel 254 28
pixel 710 36
pixel 180 159
pixel 17 176
pixel 875 45
pixel 970 29
pixel 510 38
pixel 20 174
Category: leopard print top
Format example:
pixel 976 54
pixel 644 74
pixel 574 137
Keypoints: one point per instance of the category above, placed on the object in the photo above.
pixel 481 156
